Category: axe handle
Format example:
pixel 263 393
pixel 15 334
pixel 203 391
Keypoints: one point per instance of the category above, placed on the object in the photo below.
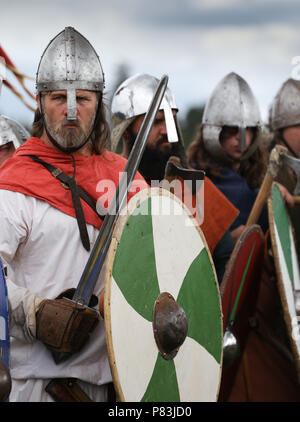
pixel 176 162
pixel 260 199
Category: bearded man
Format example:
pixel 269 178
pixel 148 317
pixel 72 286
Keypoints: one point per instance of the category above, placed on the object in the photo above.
pixel 49 223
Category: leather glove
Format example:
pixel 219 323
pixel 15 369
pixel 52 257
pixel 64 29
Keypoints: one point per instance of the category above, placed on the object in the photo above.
pixel 64 326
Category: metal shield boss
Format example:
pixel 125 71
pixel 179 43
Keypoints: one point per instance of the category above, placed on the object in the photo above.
pixel 231 103
pixel 239 292
pixel 162 307
pixel 5 379
pixel 287 268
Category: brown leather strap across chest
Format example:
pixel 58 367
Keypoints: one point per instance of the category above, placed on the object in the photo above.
pixel 77 192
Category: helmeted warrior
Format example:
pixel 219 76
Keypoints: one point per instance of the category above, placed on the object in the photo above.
pixel 49 220
pixel 70 63
pixel 284 117
pixel 12 131
pixel 131 101
pixel 227 145
pixel 232 104
pixel 12 136
pixel 284 125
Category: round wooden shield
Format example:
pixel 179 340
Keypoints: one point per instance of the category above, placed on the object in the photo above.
pixel 242 274
pixel 157 250
pixel 287 267
pixel 239 292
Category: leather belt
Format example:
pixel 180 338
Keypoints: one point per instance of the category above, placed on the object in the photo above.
pixel 68 390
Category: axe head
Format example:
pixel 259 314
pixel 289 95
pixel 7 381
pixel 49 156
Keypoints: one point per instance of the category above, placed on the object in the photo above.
pixel 193 180
pixel 294 164
pixel 174 169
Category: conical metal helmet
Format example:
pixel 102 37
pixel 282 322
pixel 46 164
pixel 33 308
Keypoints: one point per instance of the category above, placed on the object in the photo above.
pixel 231 103
pixel 285 108
pixel 70 63
pixel 133 98
pixel 12 131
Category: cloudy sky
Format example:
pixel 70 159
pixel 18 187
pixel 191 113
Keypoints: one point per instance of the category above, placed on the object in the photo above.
pixel 195 42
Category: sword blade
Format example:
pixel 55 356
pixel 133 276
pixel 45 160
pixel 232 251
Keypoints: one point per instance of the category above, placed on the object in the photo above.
pixel 98 254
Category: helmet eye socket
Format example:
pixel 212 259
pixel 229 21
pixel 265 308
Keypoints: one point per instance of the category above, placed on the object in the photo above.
pixel 228 132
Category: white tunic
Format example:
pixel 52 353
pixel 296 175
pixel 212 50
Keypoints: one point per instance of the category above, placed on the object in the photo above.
pixel 42 249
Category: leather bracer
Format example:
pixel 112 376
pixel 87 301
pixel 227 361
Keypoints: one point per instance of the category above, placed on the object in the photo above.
pixel 64 326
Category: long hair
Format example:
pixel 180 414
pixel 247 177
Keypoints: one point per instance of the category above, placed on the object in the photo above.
pixel 252 169
pixel 99 138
